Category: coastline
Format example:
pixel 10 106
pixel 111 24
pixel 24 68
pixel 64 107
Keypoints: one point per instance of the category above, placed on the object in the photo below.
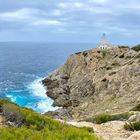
pixel 89 83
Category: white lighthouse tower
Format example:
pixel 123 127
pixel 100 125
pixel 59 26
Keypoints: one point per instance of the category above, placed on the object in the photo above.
pixel 104 44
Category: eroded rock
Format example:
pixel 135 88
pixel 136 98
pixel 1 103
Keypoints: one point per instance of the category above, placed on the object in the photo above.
pixel 106 80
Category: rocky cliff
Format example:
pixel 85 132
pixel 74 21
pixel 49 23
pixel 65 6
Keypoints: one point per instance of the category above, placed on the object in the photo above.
pixel 94 82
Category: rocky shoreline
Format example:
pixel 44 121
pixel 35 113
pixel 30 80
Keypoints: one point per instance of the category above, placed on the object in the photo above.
pixel 95 82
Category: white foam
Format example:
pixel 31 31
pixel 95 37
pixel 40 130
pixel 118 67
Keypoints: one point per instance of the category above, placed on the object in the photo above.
pixel 38 90
pixel 11 97
pixel 46 105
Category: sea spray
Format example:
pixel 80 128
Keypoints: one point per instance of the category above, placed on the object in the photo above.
pixel 38 90
pixel 33 96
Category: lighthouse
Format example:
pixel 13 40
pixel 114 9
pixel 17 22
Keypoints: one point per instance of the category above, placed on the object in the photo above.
pixel 104 44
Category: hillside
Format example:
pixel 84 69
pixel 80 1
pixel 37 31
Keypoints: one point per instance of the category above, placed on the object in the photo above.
pixel 17 123
pixel 95 82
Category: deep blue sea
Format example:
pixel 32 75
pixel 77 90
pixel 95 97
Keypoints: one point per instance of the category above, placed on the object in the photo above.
pixel 24 64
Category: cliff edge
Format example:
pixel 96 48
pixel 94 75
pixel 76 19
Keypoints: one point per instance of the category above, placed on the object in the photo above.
pixel 95 82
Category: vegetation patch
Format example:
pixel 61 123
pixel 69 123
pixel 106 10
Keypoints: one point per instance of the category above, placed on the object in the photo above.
pixel 29 125
pixel 85 53
pixel 106 117
pixel 78 53
pixel 122 47
pixel 133 126
pixel 136 48
pixel 136 108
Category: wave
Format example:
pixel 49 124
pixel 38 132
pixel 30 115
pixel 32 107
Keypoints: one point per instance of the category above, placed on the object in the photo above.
pixel 11 97
pixel 31 95
pixel 37 90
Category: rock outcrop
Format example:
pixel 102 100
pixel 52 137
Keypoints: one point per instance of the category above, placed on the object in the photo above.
pixel 94 82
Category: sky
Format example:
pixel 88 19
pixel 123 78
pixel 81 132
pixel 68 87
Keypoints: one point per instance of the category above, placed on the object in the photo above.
pixel 70 20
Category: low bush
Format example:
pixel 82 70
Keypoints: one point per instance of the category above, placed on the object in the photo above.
pixel 106 117
pixel 132 126
pixel 78 53
pixel 136 48
pixel 35 126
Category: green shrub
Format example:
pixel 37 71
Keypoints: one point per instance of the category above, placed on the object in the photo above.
pixel 78 53
pixel 39 127
pixel 136 48
pixel 132 126
pixel 106 117
pixel 102 118
pixel 89 129
pixel 85 53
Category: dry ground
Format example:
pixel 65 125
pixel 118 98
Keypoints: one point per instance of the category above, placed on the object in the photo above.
pixel 112 130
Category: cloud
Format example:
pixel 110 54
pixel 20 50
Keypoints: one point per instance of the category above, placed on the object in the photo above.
pixel 99 1
pixel 56 13
pixel 79 17
pixel 31 16
pixel 70 5
pixel 47 22
pixel 20 14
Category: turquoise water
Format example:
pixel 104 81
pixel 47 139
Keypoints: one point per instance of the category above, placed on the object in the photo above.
pixel 23 65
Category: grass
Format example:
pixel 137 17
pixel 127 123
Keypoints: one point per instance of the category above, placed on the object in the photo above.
pixel 102 118
pixel 132 126
pixel 30 125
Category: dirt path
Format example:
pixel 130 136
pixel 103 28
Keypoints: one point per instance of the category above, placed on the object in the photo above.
pixel 112 130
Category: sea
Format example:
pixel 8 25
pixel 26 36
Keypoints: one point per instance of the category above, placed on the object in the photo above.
pixel 24 64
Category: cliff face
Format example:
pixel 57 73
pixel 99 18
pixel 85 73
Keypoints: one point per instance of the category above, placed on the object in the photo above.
pixel 95 82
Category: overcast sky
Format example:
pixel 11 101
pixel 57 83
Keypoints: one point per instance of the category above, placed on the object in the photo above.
pixel 70 20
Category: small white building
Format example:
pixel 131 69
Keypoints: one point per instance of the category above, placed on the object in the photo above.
pixel 104 44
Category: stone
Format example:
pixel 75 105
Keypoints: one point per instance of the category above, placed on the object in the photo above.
pixel 105 79
pixel 132 118
pixel 138 117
